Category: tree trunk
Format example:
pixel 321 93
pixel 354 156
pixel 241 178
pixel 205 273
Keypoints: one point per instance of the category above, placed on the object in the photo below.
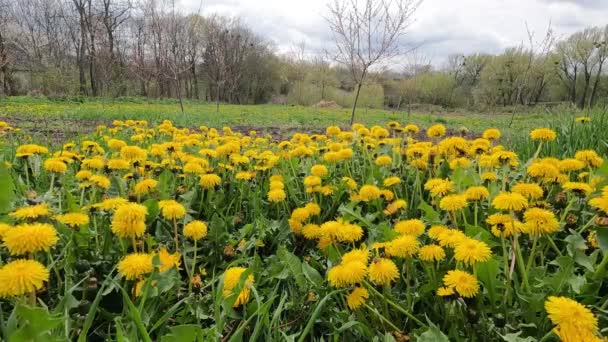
pixel 217 98
pixel 352 115
pixel 573 88
pixel 583 100
pixel 81 60
pixel 596 84
pixel 194 80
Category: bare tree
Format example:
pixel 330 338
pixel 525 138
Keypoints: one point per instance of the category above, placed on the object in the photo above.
pixel 368 32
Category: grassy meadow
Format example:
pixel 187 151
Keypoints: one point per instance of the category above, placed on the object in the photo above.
pixel 132 221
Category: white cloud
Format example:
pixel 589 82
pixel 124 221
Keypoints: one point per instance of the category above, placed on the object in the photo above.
pixel 443 27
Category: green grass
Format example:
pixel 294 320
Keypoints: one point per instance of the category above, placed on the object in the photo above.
pixel 59 120
pixel 259 116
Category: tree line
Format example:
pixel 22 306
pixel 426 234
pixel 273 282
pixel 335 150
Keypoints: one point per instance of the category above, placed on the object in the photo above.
pixel 150 48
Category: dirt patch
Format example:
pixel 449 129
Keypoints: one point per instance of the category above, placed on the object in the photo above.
pixel 327 104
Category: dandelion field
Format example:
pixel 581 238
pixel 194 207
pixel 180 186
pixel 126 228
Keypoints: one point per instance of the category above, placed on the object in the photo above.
pixel 144 231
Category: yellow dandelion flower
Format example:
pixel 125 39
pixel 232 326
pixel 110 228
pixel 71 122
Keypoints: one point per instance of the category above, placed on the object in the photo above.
pixel 528 190
pixel 390 181
pixel 319 170
pixel 55 165
pixel 431 253
pixel 100 181
pixel 589 157
pixel 476 193
pixel 574 322
pixel 453 202
pixel 195 230
pixel 357 297
pixel 145 186
pixel 404 246
pixel 133 154
pixel 384 161
pixel 491 134
pixel 129 220
pixel 436 230
pixel 450 237
pixel 30 212
pixel 277 195
pixel 171 209
pixel 436 131
pixel 232 278
pixel 410 227
pixel 369 193
pixel 510 201
pixel 168 260
pixel 357 254
pixel 111 204
pixel 134 266
pixel 471 251
pixel 383 271
pixel 579 188
pixel 395 206
pixel 445 291
pixel 73 219
pixel 543 134
pixel 21 277
pixel 539 221
pixel 346 274
pixel 30 238
pixel 210 180
pixel 464 283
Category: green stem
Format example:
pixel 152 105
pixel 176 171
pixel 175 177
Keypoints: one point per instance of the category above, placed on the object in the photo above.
pixel 396 306
pixel 532 253
pixel 382 317
pixel 192 269
pixel 552 243
pixel 52 182
pixel 580 231
pixel 520 263
pixel 601 269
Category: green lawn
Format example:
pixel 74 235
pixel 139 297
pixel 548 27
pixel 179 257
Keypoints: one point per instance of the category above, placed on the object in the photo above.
pixel 38 112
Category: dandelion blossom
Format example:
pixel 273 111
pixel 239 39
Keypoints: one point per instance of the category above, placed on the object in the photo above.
pixel 210 180
pixel 431 253
pixel 453 202
pixel 168 260
pixel 346 274
pixel 574 322
pixel 145 186
pixel 358 254
pixel 510 201
pixel 195 230
pixel 357 297
pixel 232 277
pixel 21 277
pixel 410 227
pixel 73 219
pixel 543 134
pixel 464 283
pixel 30 212
pixel 383 271
pixel 134 266
pixel 539 221
pixel 471 251
pixel 404 246
pixel 30 238
pixel 129 220
pixel 171 209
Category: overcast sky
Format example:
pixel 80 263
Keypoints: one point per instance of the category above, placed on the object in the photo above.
pixel 442 27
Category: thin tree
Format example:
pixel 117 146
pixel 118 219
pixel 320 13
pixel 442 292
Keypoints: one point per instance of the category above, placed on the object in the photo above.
pixel 368 32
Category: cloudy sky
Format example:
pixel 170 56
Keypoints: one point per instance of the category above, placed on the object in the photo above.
pixel 442 27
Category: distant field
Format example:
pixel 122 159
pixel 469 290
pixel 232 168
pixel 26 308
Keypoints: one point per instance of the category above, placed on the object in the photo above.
pixel 67 118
